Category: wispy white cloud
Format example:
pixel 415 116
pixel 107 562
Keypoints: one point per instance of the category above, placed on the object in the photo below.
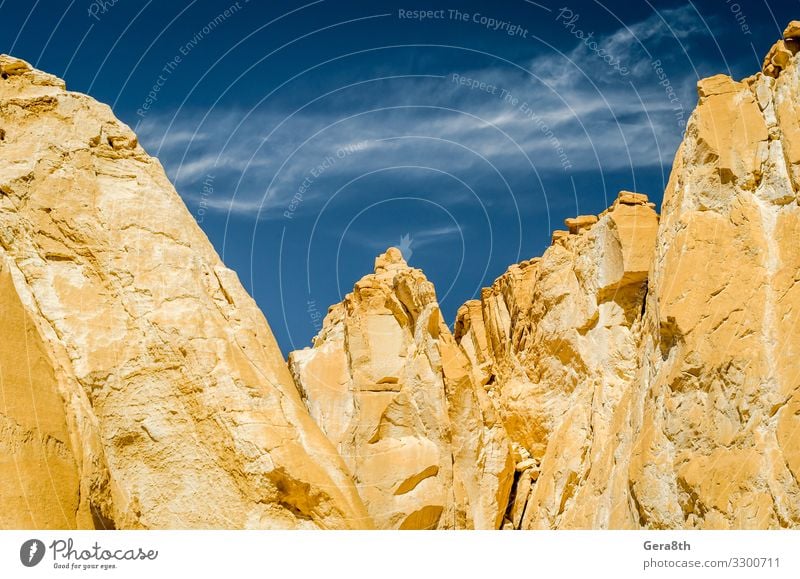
pixel 571 113
pixel 416 239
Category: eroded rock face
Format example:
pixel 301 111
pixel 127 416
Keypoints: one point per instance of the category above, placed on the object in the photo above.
pixel 141 385
pixel 390 387
pixel 51 452
pixel 716 424
pixel 677 409
pixel 555 341
pixel 644 372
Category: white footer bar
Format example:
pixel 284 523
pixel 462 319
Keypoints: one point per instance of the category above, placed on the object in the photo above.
pixel 385 554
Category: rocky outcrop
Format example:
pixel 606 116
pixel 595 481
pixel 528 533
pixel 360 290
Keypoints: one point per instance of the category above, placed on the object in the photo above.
pixel 392 390
pixel 716 422
pixel 644 372
pixel 140 386
pixel 653 377
pixel 555 340
pixel 782 51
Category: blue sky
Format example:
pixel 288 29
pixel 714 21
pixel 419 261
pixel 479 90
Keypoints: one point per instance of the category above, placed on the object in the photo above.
pixel 306 137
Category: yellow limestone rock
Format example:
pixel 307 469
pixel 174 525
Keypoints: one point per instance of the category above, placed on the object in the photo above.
pixel 390 387
pixel 678 408
pixel 140 386
pixel 559 234
pixel 715 427
pixel 643 373
pixel 577 224
pixel 727 125
pixel 792 30
pixel 558 352
pixel 631 198
pixel 47 439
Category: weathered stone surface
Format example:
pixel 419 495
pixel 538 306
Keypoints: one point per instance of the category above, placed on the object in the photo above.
pixel 390 387
pixel 630 198
pixel 715 85
pixel 678 409
pixel 727 128
pixel 719 353
pixel 161 395
pixel 559 355
pixel 47 440
pixel 577 224
pixel 779 56
pixel 644 372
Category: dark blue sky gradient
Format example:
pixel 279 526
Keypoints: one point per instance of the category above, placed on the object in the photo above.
pixel 308 137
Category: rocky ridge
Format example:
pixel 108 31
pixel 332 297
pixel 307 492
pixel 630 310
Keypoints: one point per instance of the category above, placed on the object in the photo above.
pixel 642 373
pixel 674 403
pixel 554 342
pixel 390 387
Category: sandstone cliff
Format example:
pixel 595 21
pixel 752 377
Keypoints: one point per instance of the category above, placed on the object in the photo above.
pixel 653 377
pixel 140 386
pixel 716 420
pixel 389 386
pixel 644 372
pixel 554 341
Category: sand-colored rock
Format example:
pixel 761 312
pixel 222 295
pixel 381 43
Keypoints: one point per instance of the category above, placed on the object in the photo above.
pixel 780 54
pixel 727 127
pixel 152 393
pixel 644 372
pixel 579 223
pixel 561 339
pixel 390 387
pixel 48 440
pixel 679 411
pixel 631 198
pixel 715 443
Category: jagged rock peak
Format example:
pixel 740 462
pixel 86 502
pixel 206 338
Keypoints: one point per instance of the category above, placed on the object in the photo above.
pixel 391 260
pixel 19 72
pixel 641 373
pixel 649 365
pixel 582 223
pixel 392 390
pixel 782 51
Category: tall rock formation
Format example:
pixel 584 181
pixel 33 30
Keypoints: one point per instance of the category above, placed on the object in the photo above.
pixel 717 419
pixel 644 372
pixel 140 386
pixel 555 340
pixel 678 409
pixel 389 386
